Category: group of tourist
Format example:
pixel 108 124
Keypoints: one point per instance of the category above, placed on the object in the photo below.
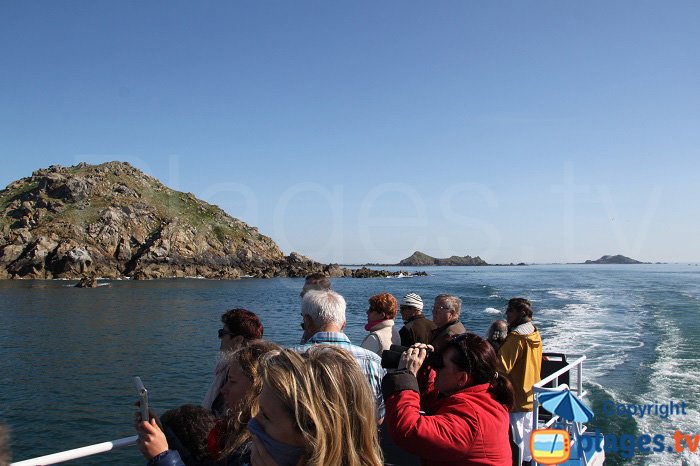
pixel 455 398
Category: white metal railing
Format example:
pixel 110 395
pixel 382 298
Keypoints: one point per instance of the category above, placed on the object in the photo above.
pixel 76 453
pixel 97 448
pixel 554 377
pixel 578 363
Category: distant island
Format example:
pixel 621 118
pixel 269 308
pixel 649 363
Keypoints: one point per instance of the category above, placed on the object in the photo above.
pixel 112 221
pixel 419 259
pixel 617 259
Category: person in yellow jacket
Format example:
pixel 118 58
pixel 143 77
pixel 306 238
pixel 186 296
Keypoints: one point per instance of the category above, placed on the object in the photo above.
pixel 521 356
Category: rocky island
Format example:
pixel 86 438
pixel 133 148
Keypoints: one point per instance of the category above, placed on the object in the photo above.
pixel 423 260
pixel 617 259
pixel 112 220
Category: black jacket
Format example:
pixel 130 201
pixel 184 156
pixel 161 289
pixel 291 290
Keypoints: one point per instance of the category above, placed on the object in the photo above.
pixel 417 329
pixel 444 333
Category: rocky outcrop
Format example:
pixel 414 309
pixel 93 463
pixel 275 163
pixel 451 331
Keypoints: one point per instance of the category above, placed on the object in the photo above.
pixel 364 272
pixel 112 220
pixel 422 260
pixel 617 259
pixel 87 282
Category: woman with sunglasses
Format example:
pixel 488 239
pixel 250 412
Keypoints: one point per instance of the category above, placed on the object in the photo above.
pixel 241 326
pixel 380 323
pixel 466 404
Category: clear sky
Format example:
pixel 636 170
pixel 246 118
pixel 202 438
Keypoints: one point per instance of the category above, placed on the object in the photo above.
pixel 539 131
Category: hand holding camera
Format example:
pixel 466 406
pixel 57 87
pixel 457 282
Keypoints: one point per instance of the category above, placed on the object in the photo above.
pixel 413 358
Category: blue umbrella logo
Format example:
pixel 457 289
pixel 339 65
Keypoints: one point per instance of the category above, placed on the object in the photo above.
pixel 566 405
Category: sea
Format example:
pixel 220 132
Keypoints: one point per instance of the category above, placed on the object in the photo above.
pixel 68 355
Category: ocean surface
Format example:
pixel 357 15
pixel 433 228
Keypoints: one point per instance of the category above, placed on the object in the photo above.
pixel 68 355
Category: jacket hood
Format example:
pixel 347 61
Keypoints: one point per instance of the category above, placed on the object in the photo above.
pixel 528 333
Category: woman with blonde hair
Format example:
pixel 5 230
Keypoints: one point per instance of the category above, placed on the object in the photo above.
pixel 316 409
pixel 229 440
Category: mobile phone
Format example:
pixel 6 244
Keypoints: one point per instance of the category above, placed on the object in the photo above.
pixel 143 398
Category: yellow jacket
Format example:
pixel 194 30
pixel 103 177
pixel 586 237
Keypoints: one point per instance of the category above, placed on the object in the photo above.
pixel 521 356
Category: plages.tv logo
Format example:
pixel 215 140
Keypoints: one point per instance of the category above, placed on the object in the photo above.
pixel 550 446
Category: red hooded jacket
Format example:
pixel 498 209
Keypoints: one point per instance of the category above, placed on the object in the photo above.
pixel 468 428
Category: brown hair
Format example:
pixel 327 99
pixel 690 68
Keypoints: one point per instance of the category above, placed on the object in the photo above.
pixel 244 323
pixel 476 357
pixel 521 305
pixel 235 424
pixel 384 303
pixel 317 281
pixel 188 425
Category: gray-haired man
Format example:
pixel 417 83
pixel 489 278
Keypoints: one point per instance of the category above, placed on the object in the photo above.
pixel 324 319
pixel 446 309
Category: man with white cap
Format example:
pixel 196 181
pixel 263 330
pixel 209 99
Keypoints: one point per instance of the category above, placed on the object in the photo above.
pixel 416 329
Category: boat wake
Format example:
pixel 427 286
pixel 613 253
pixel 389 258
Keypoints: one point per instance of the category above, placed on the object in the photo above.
pixel 586 326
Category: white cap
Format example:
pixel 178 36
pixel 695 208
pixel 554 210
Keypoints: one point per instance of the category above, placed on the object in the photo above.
pixel 413 300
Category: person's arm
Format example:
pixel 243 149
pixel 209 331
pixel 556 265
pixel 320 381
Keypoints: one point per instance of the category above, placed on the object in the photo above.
pixel 406 336
pixel 441 437
pixel 426 382
pixel 509 353
pixel 167 458
pixel 375 373
pixel 154 446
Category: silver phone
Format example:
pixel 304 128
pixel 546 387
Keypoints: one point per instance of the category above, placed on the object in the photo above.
pixel 143 398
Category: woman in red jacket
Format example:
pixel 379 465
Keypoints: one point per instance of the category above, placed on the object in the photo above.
pixel 466 404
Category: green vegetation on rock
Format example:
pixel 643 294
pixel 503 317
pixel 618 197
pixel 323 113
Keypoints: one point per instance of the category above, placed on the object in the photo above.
pixel 112 219
pixel 422 260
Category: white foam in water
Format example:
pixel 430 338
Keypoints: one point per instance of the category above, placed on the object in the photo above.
pixel 676 379
pixel 492 310
pixel 494 296
pixel 581 295
pixel 585 326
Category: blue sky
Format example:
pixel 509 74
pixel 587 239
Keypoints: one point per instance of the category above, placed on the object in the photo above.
pixel 361 131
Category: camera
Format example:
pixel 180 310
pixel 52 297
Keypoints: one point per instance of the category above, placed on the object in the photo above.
pixel 392 357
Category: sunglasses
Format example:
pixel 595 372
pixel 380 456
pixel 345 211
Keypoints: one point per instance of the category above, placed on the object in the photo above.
pixel 436 361
pixel 223 332
pixel 462 343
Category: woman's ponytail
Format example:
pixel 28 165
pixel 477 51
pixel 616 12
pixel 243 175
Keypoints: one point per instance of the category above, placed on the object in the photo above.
pixel 502 390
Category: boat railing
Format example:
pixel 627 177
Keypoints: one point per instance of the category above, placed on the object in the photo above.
pixel 76 453
pixel 553 381
pixel 97 448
